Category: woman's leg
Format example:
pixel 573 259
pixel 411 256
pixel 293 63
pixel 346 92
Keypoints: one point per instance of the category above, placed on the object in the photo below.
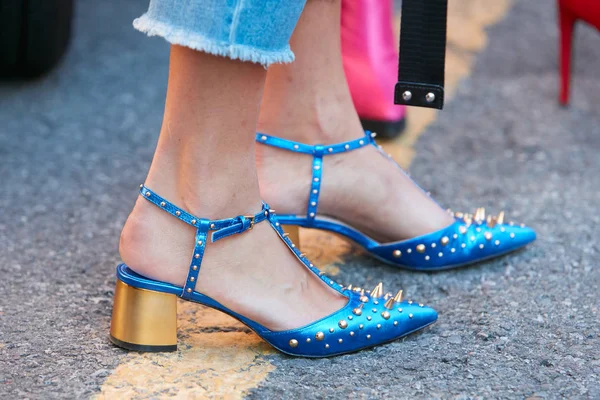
pixel 205 163
pixel 309 101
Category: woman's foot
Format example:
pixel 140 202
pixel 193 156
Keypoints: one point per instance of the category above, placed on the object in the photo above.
pixel 253 273
pixel 363 188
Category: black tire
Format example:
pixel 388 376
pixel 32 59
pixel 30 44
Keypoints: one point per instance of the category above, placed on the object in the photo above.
pixel 34 35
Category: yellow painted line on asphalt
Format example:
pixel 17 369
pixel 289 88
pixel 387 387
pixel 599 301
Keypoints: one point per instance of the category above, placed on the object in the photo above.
pixel 217 356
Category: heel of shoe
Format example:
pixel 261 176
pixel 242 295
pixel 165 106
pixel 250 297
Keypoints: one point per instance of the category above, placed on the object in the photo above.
pixel 566 22
pixel 143 320
pixel 293 232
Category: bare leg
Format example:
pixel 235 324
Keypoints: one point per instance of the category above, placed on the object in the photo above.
pixel 205 163
pixel 309 101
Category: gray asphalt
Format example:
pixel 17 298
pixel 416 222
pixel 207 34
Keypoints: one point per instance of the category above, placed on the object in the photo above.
pixel 74 146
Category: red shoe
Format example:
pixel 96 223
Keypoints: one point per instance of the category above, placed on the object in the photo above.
pixel 569 11
pixel 371 64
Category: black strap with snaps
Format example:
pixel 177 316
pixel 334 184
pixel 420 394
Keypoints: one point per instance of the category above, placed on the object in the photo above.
pixel 422 54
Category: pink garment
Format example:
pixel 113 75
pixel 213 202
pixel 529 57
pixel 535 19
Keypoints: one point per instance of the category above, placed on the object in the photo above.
pixel 371 58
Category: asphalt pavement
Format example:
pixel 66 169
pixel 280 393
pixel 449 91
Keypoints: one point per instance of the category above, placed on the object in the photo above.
pixel 75 145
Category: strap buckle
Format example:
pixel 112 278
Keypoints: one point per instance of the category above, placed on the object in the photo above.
pixel 251 218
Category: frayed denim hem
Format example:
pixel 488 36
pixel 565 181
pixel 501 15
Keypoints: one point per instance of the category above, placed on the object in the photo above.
pixel 182 37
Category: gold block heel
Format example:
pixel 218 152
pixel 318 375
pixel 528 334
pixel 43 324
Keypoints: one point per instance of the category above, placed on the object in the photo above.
pixel 293 232
pixel 143 320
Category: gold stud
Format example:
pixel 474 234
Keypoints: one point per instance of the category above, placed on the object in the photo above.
pixel 296 146
pixel 479 215
pixel 467 219
pixel 364 299
pixel 378 326
pixel 141 185
pixel 343 324
pixel 357 311
pixel 368 336
pixel 368 318
pixel 331 330
pixel 350 317
pixel 340 341
pixel 459 214
pixel 421 248
pixel 193 222
pixel 410 302
pixel 197 256
pixel 192 279
pixel 399 310
pixel 389 304
pixel 410 315
pixel 488 235
pixel 326 346
pixel 398 297
pixel 199 242
pixel 512 235
pixel 212 226
pixel 361 326
pixel 178 213
pixel 347 146
pixel 377 292
pixel 500 218
pixel 307 340
pixel 385 315
pixel 293 343
pixel 351 333
pixel 445 240
pixel 195 267
pixel 395 323
pixel 320 336
pixel 189 290
pixel 397 253
pixel 162 204
pixel 148 194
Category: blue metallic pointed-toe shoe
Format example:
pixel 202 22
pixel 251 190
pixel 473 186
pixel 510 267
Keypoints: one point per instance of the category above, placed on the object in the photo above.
pixel 145 311
pixel 470 239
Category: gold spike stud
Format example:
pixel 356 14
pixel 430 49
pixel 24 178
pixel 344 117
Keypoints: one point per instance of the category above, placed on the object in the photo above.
pixel 293 343
pixel 385 315
pixel 398 297
pixel 445 240
pixel 349 287
pixel 320 336
pixel 397 253
pixel 468 220
pixel 488 235
pixel 421 248
pixel 491 221
pixel 343 324
pixel 389 304
pixel 479 215
pixel 459 214
pixel 377 292
pixel 285 235
pixel 500 218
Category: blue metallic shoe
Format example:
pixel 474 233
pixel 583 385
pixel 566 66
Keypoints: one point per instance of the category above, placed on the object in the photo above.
pixel 145 311
pixel 470 239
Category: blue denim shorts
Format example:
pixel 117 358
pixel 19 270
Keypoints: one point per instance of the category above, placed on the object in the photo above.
pixel 249 30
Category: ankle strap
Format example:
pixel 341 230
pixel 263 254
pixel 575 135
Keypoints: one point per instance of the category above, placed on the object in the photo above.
pixel 298 147
pixel 221 228
pixel 317 151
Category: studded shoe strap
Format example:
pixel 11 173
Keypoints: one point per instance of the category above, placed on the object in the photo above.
pixel 221 228
pixel 317 151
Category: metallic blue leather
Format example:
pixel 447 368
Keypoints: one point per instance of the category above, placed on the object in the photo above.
pixel 470 239
pixel 367 319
